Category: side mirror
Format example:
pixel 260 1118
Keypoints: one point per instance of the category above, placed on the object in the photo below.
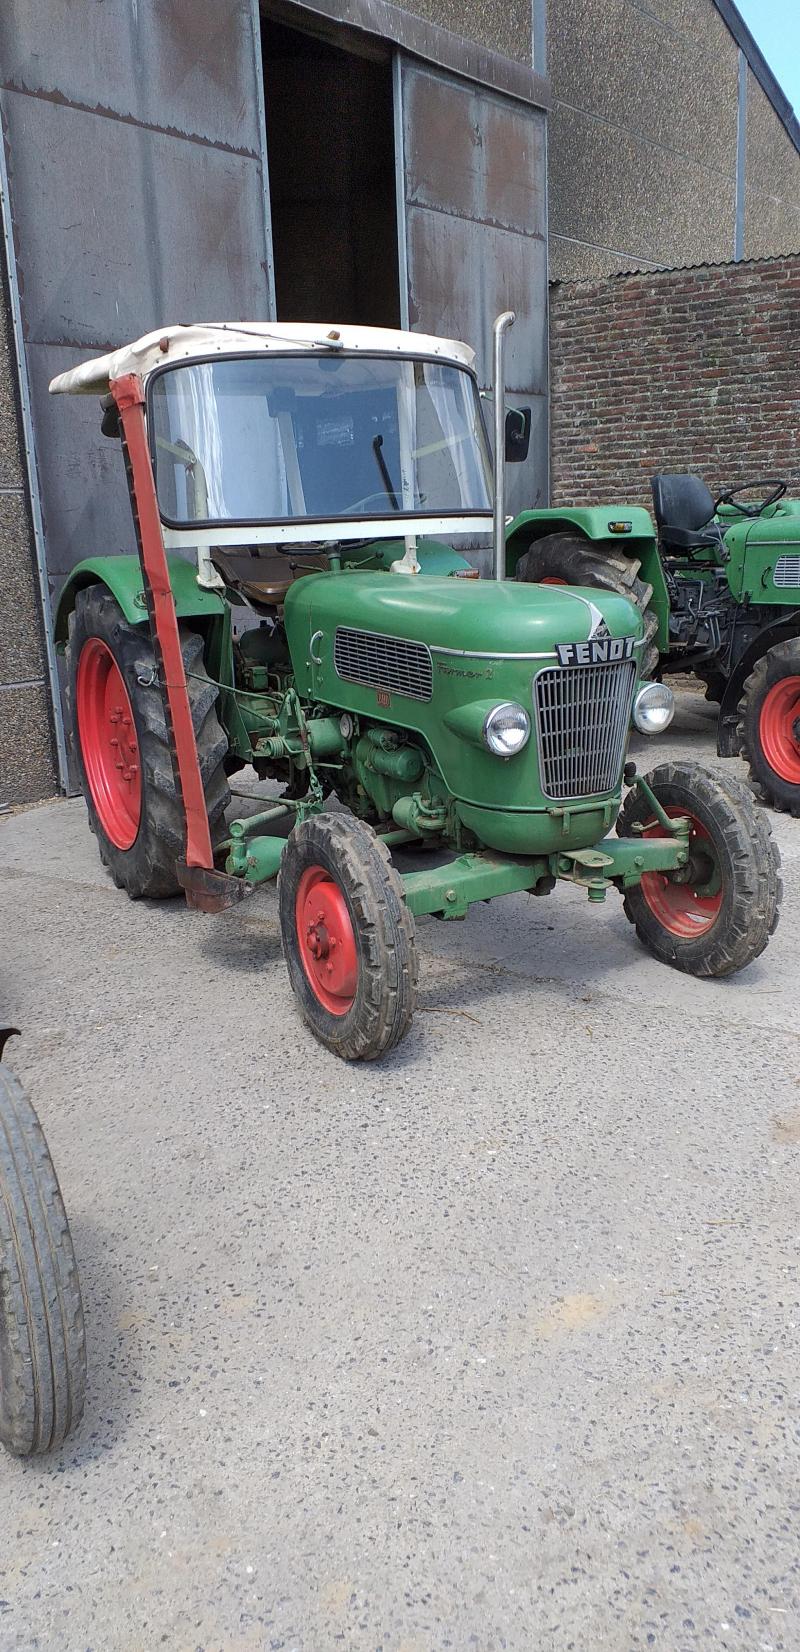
pixel 109 424
pixel 518 434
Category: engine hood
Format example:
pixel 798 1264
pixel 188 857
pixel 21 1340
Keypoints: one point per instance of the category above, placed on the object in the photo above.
pixel 481 618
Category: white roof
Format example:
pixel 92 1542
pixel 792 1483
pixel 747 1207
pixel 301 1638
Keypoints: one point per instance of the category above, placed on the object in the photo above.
pixel 171 344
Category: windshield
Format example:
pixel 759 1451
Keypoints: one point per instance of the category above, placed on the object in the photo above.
pixel 285 438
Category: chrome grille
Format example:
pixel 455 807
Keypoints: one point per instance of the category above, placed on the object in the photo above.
pixel 390 663
pixel 582 715
pixel 787 571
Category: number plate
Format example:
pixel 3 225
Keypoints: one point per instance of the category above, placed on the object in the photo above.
pixel 598 651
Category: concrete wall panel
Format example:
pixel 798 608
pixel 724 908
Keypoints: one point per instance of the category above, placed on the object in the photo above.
pixel 615 60
pixel 772 173
pixel 501 25
pixel 27 769
pixel 643 141
pixel 653 206
pixel 21 646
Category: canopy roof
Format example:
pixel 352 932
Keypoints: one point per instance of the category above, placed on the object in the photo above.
pixel 183 343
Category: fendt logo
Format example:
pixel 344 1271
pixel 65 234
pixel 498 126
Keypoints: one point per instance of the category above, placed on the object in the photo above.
pixel 598 651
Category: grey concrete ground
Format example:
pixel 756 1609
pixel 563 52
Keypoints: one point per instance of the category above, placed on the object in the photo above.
pixel 491 1346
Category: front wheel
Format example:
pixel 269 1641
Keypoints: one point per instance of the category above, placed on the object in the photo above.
pixel 348 936
pixel 714 916
pixel 769 727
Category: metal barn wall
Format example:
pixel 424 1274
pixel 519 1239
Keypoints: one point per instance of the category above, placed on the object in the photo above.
pixel 133 147
pixel 472 205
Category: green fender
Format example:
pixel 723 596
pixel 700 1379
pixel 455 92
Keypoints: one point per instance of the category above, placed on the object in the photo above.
pixel 592 521
pixel 123 577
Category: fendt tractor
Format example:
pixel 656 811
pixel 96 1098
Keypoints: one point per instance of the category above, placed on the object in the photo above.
pixel 718 587
pixel 326 632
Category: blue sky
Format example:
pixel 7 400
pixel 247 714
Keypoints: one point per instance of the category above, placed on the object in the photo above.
pixel 775 26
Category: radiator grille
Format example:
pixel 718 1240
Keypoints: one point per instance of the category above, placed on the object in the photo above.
pixel 390 663
pixel 583 713
pixel 787 572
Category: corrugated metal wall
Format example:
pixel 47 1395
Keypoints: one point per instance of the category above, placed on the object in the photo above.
pixel 473 209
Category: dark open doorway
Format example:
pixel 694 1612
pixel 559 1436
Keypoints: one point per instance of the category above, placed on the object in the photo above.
pixel 330 147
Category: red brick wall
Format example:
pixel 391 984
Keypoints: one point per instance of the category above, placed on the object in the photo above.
pixel 675 370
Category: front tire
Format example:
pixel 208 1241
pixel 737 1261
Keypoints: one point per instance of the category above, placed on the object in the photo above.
pixel 42 1339
pixel 717 919
pixel 569 559
pixel 769 726
pixel 348 936
pixel 119 735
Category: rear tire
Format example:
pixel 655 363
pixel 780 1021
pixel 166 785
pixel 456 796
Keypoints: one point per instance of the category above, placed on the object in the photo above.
pixel 720 918
pixel 138 822
pixel 769 726
pixel 570 559
pixel 348 936
pixel 42 1339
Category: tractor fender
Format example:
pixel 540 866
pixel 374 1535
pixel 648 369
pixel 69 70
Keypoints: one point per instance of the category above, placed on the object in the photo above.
pixel 122 575
pixel 727 738
pixel 594 523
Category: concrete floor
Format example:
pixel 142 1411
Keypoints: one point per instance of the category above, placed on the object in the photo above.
pixel 491 1346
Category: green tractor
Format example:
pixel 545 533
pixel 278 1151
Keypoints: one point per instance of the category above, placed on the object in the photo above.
pixel 718 589
pixel 297 605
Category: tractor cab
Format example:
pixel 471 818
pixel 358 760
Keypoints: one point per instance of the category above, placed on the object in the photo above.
pixel 272 443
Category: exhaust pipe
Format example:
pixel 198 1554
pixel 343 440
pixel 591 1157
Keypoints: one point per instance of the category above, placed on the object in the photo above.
pixel 499 331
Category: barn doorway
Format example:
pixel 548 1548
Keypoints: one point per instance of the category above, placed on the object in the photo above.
pixel 330 148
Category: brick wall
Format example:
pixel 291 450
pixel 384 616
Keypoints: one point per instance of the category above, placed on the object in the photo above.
pixel 695 369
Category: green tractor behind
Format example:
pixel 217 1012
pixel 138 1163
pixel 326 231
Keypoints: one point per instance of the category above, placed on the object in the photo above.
pixel 718 588
pixel 296 605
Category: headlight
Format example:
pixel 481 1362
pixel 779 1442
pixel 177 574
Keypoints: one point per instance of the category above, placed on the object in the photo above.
pixel 653 708
pixel 507 729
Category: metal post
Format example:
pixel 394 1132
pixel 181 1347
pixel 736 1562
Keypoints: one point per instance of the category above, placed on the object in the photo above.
pixel 499 330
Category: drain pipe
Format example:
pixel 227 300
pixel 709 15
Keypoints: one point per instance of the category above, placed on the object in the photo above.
pixel 499 331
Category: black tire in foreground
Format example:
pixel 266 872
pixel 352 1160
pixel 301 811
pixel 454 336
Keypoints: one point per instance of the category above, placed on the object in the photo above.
pixel 769 726
pixel 119 736
pixel 717 914
pixel 42 1340
pixel 348 936
pixel 569 559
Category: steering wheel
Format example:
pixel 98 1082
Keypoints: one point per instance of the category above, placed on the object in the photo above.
pixel 778 490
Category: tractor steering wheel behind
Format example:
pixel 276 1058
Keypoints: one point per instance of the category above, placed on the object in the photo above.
pixel 778 489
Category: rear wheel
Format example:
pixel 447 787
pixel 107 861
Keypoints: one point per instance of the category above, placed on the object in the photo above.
pixel 42 1341
pixel 120 741
pixel 348 936
pixel 715 915
pixel 568 559
pixel 769 726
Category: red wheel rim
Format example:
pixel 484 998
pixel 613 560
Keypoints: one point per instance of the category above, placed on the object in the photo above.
pixel 326 940
pixel 681 908
pixel 109 745
pixel 550 579
pixel 779 729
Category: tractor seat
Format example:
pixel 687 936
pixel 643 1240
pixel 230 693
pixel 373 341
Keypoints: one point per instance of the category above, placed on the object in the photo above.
pixel 264 575
pixel 684 508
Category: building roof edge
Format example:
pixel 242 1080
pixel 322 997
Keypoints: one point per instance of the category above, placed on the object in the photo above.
pixel 731 15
